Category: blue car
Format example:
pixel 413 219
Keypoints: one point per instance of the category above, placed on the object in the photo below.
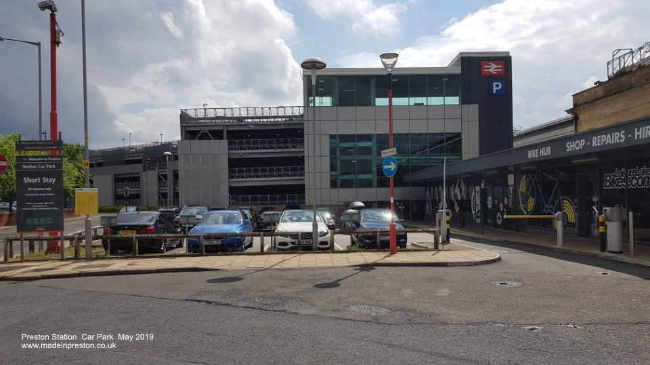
pixel 222 221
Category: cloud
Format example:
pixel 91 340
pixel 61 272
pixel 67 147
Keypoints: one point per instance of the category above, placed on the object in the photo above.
pixel 369 19
pixel 558 47
pixel 146 59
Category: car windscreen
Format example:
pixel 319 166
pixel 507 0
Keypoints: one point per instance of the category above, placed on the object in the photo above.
pixel 140 218
pixel 296 216
pixel 192 210
pixel 222 218
pixel 376 216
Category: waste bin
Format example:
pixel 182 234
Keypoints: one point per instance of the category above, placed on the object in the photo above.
pixel 614 217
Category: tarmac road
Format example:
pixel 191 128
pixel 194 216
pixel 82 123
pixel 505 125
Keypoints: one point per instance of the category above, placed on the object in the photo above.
pixel 528 308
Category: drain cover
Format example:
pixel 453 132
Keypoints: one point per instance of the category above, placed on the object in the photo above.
pixel 368 309
pixel 508 283
pixel 604 273
pixel 533 328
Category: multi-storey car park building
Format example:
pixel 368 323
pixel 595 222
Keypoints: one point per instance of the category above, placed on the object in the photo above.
pixel 256 156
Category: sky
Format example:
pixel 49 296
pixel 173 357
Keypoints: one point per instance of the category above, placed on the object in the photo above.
pixel 149 58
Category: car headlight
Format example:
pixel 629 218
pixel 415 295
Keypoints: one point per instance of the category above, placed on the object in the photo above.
pixel 322 233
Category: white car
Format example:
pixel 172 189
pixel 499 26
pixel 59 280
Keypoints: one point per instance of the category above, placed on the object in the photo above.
pixel 297 223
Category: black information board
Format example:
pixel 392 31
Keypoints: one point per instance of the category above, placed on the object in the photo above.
pixel 39 192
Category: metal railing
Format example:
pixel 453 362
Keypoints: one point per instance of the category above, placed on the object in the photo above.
pixel 250 114
pixel 260 172
pixel 269 199
pixel 134 244
pixel 265 144
pixel 622 62
pixel 38 243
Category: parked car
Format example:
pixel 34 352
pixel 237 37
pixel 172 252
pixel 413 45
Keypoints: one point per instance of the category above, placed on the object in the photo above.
pixel 222 221
pixel 349 220
pixel 297 223
pixel 131 223
pixel 328 218
pixel 375 218
pixel 190 216
pixel 269 219
pixel 169 215
pixel 249 214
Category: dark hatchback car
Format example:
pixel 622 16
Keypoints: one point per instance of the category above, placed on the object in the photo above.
pixel 128 224
pixel 376 218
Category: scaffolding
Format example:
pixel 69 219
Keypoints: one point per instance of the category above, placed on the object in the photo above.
pixel 253 115
pixel 627 59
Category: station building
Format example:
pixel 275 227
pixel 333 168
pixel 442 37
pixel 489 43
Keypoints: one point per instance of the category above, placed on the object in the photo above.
pixel 329 154
pixel 593 158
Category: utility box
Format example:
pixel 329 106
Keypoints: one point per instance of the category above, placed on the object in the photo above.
pixel 614 217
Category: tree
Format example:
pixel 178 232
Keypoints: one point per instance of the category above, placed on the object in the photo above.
pixel 8 178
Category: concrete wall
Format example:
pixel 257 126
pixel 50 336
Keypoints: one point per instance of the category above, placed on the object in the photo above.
pixel 620 99
pixel 374 120
pixel 149 188
pixel 203 172
pixel 104 185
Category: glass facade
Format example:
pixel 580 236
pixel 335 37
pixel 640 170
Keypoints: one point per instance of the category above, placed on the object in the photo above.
pixel 355 159
pixel 371 90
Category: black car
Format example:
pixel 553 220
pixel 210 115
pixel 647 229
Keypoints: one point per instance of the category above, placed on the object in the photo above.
pixel 129 224
pixel 373 219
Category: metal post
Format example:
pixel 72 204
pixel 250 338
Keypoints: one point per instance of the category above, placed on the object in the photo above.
pixel 89 240
pixel 602 231
pixel 40 95
pixel 170 188
pixel 436 240
pixel 559 228
pixel 377 240
pixel 332 231
pixel 6 253
pixel 262 241
pixel 134 251
pixel 447 228
pixel 22 252
pixel 314 228
pixel 630 226
pixel 54 128
pixel 62 244
pixel 393 234
pixel 76 246
pixel 202 245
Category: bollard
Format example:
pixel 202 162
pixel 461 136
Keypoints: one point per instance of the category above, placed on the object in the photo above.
pixel 436 240
pixel 262 241
pixel 448 235
pixel 202 245
pixel 332 240
pixel 108 246
pixel 6 253
pixel 22 252
pixel 377 243
pixel 76 247
pixel 135 247
pixel 602 231
pixel 559 229
pixel 62 250
pixel 630 226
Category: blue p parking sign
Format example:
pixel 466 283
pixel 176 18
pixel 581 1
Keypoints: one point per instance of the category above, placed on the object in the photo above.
pixel 497 87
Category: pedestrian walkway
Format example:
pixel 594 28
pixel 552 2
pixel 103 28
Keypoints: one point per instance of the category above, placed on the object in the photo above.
pixel 454 254
pixel 572 243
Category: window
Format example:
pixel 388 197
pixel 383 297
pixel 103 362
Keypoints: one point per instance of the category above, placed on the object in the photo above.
pixel 347 91
pixel 355 160
pixel 417 90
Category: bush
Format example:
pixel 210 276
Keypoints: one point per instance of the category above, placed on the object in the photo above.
pixel 109 209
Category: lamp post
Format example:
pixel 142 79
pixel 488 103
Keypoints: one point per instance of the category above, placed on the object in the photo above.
pixel 313 65
pixel 55 40
pixel 389 60
pixel 170 187
pixel 443 224
pixel 40 88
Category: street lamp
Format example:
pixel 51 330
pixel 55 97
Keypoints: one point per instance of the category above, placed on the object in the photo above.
pixel 389 60
pixel 313 65
pixel 56 34
pixel 40 90
pixel 170 187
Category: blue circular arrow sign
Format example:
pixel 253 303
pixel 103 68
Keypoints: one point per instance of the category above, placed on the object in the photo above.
pixel 389 166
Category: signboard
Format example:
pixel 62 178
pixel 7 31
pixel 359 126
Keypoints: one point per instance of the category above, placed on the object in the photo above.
pixel 4 165
pixel 85 201
pixel 636 178
pixel 389 166
pixel 39 145
pixel 39 193
pixel 601 140
pixel 493 68
pixel 388 152
pixel 497 87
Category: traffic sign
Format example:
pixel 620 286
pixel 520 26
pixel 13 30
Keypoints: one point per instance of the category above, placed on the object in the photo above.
pixel 389 166
pixel 85 201
pixel 4 165
pixel 388 152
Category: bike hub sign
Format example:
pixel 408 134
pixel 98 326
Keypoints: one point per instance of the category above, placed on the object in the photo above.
pixel 39 193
